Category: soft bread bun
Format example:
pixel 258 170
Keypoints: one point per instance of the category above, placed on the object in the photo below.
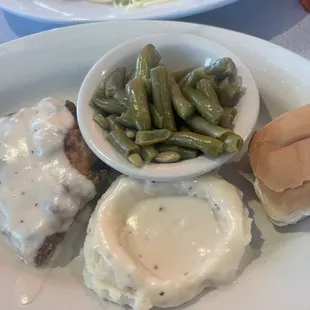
pixel 279 155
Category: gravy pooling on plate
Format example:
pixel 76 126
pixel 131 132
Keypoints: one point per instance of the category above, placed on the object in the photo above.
pixel 40 191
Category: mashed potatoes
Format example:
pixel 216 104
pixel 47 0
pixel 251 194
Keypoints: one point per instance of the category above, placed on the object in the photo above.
pixel 160 244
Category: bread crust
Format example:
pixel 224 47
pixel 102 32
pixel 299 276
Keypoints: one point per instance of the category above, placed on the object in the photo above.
pixel 279 157
pixel 279 152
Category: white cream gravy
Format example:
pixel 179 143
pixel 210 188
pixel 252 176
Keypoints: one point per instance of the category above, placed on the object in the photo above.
pixel 156 225
pixel 40 193
pixel 139 255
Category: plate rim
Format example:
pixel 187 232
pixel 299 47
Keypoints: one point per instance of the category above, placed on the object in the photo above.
pixel 176 13
pixel 176 24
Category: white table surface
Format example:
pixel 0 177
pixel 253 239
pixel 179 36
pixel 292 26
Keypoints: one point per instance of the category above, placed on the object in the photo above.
pixel 283 22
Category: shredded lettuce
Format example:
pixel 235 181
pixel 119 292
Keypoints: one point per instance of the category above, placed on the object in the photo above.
pixel 130 3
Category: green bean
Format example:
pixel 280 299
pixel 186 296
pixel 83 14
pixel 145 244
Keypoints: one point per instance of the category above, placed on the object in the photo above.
pixel 208 145
pixel 182 106
pixel 191 79
pixel 98 111
pixel 156 117
pixel 200 125
pixel 205 86
pixel 152 136
pixel 101 121
pixel 115 81
pixel 109 105
pixel 183 151
pixel 148 153
pixel 233 143
pixel 122 143
pixel 228 91
pixel 208 108
pixel 162 96
pixel 130 133
pixel 171 78
pixel 100 90
pixel 130 75
pixel 113 124
pixel 168 157
pixel 228 117
pixel 147 59
pixel 139 107
pixel 179 75
pixel 136 160
pixel 223 68
pixel 231 70
pixel 157 101
pixel 126 120
pixel 120 97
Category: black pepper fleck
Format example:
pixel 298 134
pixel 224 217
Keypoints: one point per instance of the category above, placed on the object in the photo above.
pixel 15 172
pixel 66 188
pixel 186 273
pixel 162 293
pixel 21 221
pixel 36 204
pixel 161 209
pixel 190 188
pixel 32 152
pixel 22 193
pixel 153 181
pixel 155 267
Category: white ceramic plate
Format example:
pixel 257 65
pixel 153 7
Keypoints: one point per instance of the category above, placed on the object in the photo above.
pixel 55 63
pixel 78 11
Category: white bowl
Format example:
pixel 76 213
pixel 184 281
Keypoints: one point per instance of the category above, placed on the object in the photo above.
pixel 178 51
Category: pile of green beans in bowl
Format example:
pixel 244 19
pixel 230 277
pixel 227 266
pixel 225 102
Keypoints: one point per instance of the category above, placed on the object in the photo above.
pixel 154 114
